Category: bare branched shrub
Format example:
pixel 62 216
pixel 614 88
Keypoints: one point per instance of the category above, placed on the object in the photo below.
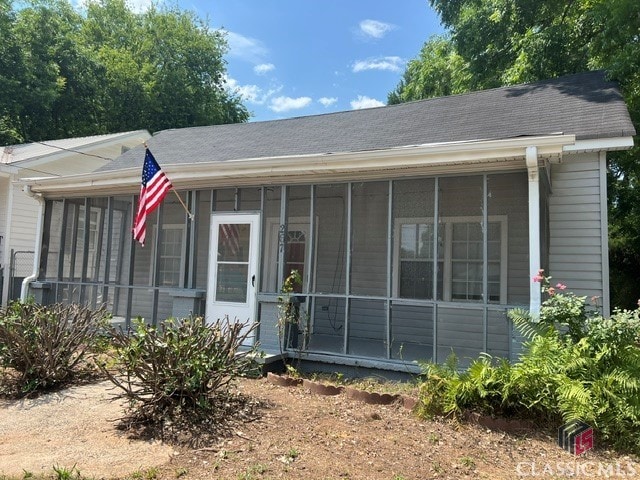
pixel 45 345
pixel 182 368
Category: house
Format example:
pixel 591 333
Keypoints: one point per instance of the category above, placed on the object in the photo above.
pixel 19 211
pixel 415 227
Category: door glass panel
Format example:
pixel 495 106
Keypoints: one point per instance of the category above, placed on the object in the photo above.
pixel 233 242
pixel 232 283
pixel 233 262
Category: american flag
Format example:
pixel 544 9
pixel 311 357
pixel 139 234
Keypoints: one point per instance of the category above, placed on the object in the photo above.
pixel 155 186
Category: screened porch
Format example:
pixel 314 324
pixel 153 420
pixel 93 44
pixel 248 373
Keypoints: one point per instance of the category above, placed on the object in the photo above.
pixel 393 271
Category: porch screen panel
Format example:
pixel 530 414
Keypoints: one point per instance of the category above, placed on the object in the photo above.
pixel 68 293
pixel 269 250
pixel 98 239
pixel 142 304
pixel 460 230
pixel 508 202
pixel 165 305
pixel 249 199
pixel 411 332
pixel 369 220
pixel 297 244
pixel 51 239
pixel 413 239
pixel 367 328
pixel 331 238
pixel 459 331
pixel 327 325
pixel 73 244
pixel 170 270
pixel 203 226
pixel 225 200
pixel 498 333
pixel 121 240
pixel 117 303
pixel 143 257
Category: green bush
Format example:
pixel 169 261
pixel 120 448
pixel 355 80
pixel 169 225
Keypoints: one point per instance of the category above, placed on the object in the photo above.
pixel 46 345
pixel 576 365
pixel 182 367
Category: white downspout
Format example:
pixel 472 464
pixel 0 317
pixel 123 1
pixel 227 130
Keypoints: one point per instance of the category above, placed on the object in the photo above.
pixel 38 246
pixel 534 230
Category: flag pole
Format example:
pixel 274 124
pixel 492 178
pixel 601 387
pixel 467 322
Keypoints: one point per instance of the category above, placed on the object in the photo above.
pixel 183 204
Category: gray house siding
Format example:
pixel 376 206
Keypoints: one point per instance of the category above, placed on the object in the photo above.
pixel 576 226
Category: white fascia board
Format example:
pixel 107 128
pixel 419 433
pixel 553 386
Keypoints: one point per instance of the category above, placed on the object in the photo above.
pixel 599 144
pixel 139 136
pixel 438 157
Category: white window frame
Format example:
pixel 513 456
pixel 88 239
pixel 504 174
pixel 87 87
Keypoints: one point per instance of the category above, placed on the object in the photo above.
pixel 152 271
pixel 446 224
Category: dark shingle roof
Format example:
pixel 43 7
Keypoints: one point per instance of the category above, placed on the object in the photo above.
pixel 584 105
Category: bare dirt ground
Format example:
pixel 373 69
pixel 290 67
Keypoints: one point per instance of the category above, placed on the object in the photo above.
pixel 298 435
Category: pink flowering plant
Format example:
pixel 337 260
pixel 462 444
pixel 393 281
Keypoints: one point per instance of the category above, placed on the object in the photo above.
pixel 563 310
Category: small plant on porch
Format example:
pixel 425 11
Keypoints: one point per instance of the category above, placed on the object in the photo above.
pixel 290 319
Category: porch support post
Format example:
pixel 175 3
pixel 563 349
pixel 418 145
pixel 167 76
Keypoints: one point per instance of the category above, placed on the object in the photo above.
pixel 534 229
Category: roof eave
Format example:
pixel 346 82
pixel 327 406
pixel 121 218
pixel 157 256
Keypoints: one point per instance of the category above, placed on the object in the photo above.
pixel 408 160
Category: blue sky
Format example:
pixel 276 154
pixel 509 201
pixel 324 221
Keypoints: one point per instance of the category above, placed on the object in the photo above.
pixel 291 58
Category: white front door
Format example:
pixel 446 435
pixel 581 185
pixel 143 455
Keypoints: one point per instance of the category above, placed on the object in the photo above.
pixel 233 268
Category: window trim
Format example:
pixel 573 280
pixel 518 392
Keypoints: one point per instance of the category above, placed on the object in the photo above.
pixel 445 225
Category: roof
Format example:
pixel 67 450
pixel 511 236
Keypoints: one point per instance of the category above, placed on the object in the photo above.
pixel 12 154
pixel 585 105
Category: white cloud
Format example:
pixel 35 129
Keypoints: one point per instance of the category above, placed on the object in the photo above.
pixel 251 93
pixel 375 29
pixel 246 48
pixel 264 68
pixel 327 101
pixel 365 102
pixel 284 104
pixel 392 64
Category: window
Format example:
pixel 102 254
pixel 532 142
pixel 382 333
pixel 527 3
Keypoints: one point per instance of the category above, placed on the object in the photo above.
pixel 460 259
pixel 170 269
pixel 415 260
pixel 295 252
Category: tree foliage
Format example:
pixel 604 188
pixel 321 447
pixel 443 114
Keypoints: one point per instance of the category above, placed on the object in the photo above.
pixel 67 72
pixel 491 43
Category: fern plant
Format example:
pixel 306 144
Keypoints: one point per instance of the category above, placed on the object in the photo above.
pixel 576 365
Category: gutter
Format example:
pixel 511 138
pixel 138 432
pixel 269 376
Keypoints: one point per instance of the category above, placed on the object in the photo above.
pixel 38 245
pixel 303 168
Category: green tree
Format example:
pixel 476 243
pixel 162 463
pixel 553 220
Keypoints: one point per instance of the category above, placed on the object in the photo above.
pixel 503 42
pixel 438 71
pixel 68 72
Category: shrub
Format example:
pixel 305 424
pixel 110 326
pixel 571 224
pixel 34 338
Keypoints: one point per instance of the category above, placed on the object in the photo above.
pixel 575 366
pixel 46 345
pixel 182 367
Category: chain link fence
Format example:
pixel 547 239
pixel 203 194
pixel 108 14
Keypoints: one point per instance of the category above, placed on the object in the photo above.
pixel 21 266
